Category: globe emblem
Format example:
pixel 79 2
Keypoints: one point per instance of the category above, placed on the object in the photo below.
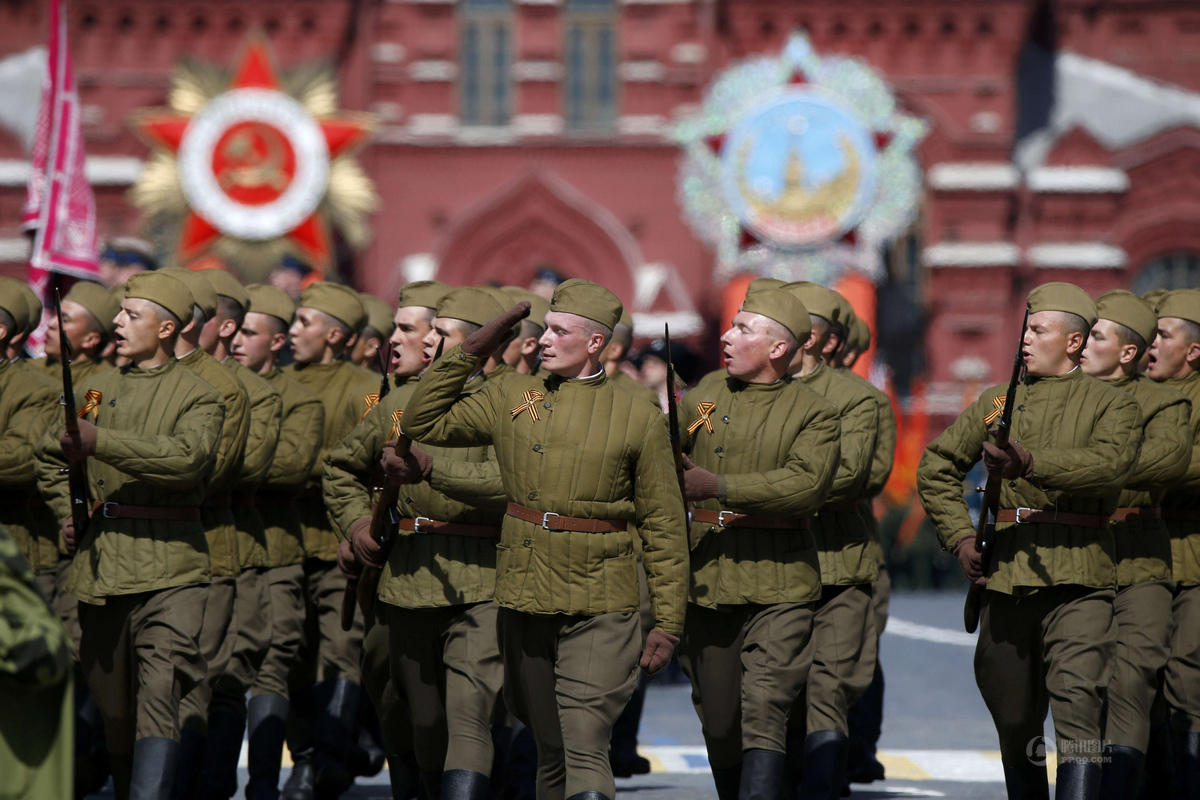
pixel 798 170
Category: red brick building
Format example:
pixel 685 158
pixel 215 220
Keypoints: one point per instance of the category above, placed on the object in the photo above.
pixel 1064 140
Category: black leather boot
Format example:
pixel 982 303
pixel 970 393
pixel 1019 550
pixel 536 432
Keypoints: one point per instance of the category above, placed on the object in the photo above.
pixel 1158 772
pixel 1077 780
pixel 226 728
pixel 762 775
pixel 1121 774
pixel 299 785
pixel 154 762
pixel 1023 778
pixel 121 765
pixel 464 784
pixel 337 709
pixel 591 795
pixel 189 763
pixel 266 717
pixel 727 780
pixel 403 775
pixel 866 720
pixel 1187 765
pixel 824 766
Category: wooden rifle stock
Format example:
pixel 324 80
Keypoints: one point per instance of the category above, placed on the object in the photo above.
pixel 991 492
pixel 673 415
pixel 76 472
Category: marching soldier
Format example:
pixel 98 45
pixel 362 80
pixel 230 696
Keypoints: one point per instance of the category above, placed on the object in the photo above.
pixel 1045 634
pixel 522 352
pixel 252 608
pixel 217 634
pixel 326 321
pixel 1142 606
pixel 1175 362
pixel 28 407
pixel 588 458
pixel 262 336
pixel 439 576
pixel 88 311
pixel 150 438
pixel 763 454
pixel 375 331
pixel 843 643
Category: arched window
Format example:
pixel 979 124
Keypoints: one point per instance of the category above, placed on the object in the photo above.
pixel 1176 270
pixel 485 61
pixel 591 65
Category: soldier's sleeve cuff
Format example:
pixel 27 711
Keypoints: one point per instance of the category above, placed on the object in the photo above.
pixel 722 491
pixel 673 628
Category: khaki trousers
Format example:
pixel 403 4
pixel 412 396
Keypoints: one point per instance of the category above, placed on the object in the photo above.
pixel 1182 677
pixel 329 651
pixel 747 666
pixel 391 706
pixel 568 677
pixel 216 639
pixel 252 621
pixel 446 663
pixel 1051 649
pixel 842 650
pixel 139 656
pixel 1142 617
pixel 285 592
pixel 66 604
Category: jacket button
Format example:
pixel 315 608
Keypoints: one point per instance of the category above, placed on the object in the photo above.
pixel 719 449
pixel 725 418
pixel 532 495
pixel 1013 484
pixel 537 448
pixel 546 404
pixel 1021 407
pixel 529 542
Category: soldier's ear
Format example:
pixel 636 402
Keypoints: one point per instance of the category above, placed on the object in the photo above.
pixel 1075 343
pixel 1193 354
pixel 167 328
pixel 278 340
pixel 90 339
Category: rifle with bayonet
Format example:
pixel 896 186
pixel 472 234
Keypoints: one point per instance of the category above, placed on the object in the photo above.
pixel 673 414
pixel 985 529
pixel 77 471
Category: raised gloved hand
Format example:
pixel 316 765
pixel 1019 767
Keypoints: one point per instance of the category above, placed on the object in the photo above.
pixel 86 445
pixel 346 561
pixel 366 550
pixel 970 559
pixel 657 652
pixel 698 483
pixel 1013 461
pixel 68 535
pixel 401 469
pixel 484 341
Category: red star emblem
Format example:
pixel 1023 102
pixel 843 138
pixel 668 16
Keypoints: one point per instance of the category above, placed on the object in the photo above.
pixel 253 161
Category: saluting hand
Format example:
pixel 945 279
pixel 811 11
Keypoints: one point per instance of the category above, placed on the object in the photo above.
pixel 970 559
pixel 366 549
pixel 657 652
pixel 411 468
pixel 76 451
pixel 68 535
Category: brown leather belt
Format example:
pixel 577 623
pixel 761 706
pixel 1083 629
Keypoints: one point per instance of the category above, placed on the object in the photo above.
pixel 731 519
pixel 1034 515
pixel 1144 512
pixel 111 510
pixel 1181 514
pixel 557 522
pixel 427 525
pixel 851 506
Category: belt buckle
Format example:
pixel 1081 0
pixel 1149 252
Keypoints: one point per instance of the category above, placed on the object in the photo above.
pixel 105 512
pixel 417 523
pixel 546 519
pixel 721 517
pixel 1019 510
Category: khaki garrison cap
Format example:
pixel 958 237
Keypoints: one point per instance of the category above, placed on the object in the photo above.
pixel 538 305
pixel 12 301
pixel 1182 304
pixel 470 304
pixel 33 306
pixel 825 303
pixel 339 302
pixel 272 301
pixel 1154 296
pixel 587 299
pixel 422 294
pixel 1126 308
pixel 379 314
pixel 759 284
pixel 98 301
pixel 200 289
pixel 1062 296
pixel 783 307
pixel 225 284
pixel 860 334
pixel 164 288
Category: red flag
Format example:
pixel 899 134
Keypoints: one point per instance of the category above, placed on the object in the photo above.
pixel 59 207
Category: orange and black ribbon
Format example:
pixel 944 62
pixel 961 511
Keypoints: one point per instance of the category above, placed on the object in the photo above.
pixel 532 396
pixel 997 412
pixel 704 409
pixel 394 433
pixel 91 404
pixel 370 400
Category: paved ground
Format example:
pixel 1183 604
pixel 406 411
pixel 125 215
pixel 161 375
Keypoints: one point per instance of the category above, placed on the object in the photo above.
pixel 937 740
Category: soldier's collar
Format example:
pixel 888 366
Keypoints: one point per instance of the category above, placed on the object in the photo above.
pixel 1074 374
